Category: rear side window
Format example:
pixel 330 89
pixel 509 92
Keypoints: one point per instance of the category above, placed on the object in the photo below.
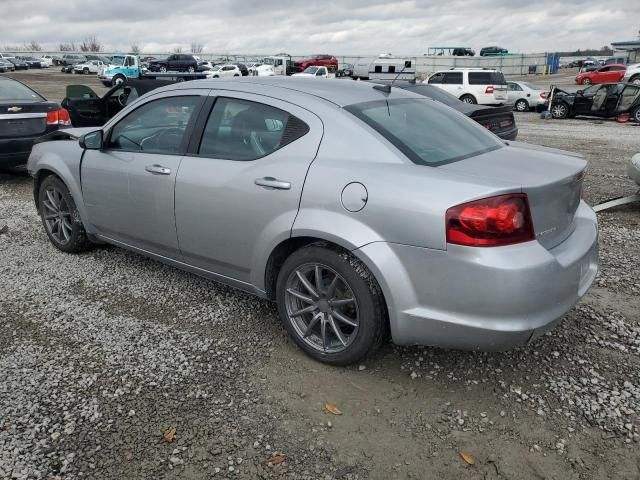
pixel 452 78
pixel 244 130
pixel 427 132
pixel 486 78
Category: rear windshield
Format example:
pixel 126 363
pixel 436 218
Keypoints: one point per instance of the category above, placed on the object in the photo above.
pixel 15 91
pixel 427 132
pixel 486 78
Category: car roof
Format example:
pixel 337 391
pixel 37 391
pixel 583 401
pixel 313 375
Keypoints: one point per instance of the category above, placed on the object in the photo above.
pixel 338 92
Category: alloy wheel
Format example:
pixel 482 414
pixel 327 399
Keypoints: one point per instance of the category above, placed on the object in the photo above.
pixel 57 215
pixel 322 308
pixel 559 111
pixel 521 106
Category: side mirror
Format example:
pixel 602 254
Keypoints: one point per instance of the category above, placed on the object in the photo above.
pixel 91 140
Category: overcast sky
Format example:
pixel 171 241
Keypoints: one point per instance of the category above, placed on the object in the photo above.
pixel 314 26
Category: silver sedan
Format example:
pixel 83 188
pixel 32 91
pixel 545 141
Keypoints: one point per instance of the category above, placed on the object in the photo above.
pixel 525 96
pixel 358 208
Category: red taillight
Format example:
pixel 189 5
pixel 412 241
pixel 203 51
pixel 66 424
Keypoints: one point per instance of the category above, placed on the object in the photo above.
pixel 58 117
pixel 489 89
pixel 491 222
pixel 543 95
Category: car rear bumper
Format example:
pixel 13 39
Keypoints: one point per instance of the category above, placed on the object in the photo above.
pixel 484 298
pixel 508 134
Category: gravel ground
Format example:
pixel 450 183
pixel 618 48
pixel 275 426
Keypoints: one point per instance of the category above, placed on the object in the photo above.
pixel 104 354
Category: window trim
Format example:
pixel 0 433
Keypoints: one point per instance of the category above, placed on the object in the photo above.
pixel 188 132
pixel 193 149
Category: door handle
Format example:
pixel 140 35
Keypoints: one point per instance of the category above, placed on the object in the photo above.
pixel 271 182
pixel 158 170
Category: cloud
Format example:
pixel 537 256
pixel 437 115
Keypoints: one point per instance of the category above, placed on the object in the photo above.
pixel 306 26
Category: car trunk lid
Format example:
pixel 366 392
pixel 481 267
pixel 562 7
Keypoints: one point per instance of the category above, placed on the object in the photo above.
pixel 495 119
pixel 552 182
pixel 24 119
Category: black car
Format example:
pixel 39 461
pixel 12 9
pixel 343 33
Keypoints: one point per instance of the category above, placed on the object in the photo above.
pixel 489 51
pixel 243 69
pixel 18 64
pixel 345 71
pixel 178 62
pixel 32 62
pixel 87 109
pixel 499 120
pixel 463 52
pixel 605 100
pixel 24 116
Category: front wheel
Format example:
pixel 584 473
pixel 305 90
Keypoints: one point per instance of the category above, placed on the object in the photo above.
pixel 60 216
pixel 191 69
pixel 560 110
pixel 331 305
pixel 163 69
pixel 118 80
pixel 586 81
pixel 468 99
pixel 85 71
pixel 522 106
pixel 635 115
pixel 635 80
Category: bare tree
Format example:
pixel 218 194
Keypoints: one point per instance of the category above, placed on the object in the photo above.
pixel 91 44
pixel 32 46
pixel 135 49
pixel 177 50
pixel 196 47
pixel 67 47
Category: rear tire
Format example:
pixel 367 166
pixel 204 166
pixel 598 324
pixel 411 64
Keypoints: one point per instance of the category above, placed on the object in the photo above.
pixel 351 307
pixel 60 216
pixel 634 115
pixel 469 99
pixel 522 105
pixel 191 69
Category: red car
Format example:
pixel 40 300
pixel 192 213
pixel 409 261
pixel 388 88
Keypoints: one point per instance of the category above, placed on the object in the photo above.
pixel 323 60
pixel 608 74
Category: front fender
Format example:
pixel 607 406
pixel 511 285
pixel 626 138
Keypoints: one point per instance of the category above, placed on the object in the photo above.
pixel 55 157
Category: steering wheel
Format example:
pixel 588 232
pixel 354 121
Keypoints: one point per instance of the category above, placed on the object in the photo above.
pixel 123 97
pixel 165 139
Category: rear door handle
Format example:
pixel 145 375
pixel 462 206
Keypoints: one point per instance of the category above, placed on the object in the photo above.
pixel 158 170
pixel 271 182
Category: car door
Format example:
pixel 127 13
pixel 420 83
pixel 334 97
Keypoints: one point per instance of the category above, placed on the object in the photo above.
pixel 238 190
pixel 128 185
pixel 514 92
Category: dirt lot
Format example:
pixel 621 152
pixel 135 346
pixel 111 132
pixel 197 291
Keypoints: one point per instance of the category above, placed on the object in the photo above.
pixel 104 352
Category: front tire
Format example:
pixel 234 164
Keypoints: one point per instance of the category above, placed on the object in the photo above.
pixel 522 105
pixel 60 216
pixel 635 115
pixel 586 81
pixel 635 80
pixel 560 110
pixel 118 80
pixel 331 305
pixel 191 69
pixel 469 99
pixel 85 71
pixel 163 69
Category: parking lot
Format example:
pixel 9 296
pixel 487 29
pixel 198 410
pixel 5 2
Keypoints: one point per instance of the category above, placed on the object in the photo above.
pixel 116 366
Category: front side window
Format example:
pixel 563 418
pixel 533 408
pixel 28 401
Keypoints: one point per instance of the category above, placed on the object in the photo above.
pixel 156 127
pixel 244 130
pixel 436 78
pixel 427 132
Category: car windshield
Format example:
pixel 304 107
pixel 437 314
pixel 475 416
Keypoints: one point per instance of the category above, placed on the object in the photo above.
pixel 15 91
pixel 311 70
pixel 117 61
pixel 427 132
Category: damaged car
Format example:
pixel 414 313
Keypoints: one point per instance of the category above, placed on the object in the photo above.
pixel 608 100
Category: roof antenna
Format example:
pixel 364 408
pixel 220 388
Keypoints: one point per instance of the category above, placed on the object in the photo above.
pixel 387 88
